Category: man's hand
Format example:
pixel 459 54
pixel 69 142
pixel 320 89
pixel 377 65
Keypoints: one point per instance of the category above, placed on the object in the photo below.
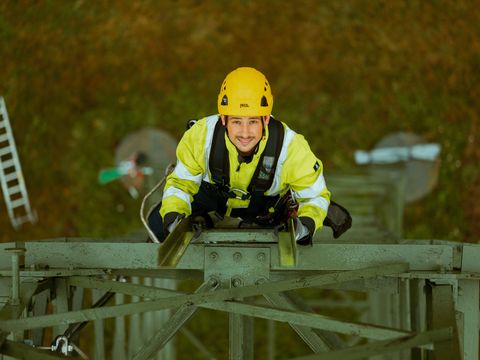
pixel 304 229
pixel 170 222
pixel 338 218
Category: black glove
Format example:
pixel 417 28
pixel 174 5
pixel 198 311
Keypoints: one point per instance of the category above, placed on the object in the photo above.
pixel 338 218
pixel 170 221
pixel 304 229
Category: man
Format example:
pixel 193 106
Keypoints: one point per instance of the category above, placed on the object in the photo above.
pixel 244 163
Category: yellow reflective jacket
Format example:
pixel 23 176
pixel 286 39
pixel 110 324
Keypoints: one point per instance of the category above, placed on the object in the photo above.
pixel 297 169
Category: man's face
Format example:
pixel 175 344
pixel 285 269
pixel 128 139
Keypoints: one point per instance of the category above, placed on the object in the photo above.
pixel 244 131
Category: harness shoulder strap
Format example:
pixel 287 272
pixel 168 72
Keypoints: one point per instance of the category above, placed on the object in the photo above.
pixel 218 162
pixel 262 179
pixel 265 172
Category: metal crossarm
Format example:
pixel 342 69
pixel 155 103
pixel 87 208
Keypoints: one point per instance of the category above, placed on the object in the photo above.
pixel 11 176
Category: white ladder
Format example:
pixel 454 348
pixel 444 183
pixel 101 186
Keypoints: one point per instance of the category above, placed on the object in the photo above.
pixel 11 177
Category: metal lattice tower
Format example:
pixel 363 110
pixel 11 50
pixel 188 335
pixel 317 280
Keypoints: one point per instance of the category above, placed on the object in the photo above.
pixel 420 298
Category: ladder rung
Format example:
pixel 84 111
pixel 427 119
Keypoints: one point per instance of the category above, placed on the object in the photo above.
pixel 7 164
pixel 23 219
pixel 11 176
pixel 5 150
pixel 18 203
pixel 2 124
pixel 4 137
pixel 14 190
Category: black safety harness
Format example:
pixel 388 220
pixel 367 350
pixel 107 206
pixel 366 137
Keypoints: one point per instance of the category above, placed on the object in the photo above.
pixel 258 210
pixel 338 218
pixel 263 176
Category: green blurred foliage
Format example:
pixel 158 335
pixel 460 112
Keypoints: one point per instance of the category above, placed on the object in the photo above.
pixel 78 76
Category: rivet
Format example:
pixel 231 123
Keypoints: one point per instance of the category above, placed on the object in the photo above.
pixel 236 282
pixel 213 282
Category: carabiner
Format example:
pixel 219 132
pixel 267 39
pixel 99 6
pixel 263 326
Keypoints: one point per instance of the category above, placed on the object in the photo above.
pixel 239 194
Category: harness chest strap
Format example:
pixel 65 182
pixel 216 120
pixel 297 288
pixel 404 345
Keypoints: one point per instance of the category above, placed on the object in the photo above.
pixel 263 176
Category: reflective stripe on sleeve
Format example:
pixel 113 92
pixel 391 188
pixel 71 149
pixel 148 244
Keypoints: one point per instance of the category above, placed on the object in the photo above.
pixel 287 139
pixel 319 201
pixel 182 195
pixel 183 173
pixel 312 191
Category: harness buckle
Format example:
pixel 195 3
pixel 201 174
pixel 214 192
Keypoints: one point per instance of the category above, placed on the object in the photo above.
pixel 239 194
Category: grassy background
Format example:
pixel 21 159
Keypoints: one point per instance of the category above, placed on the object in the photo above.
pixel 78 76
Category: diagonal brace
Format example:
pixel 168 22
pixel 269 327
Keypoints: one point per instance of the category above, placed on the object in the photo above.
pixel 202 298
pixel 385 346
pixel 168 330
pixel 317 321
pixel 318 341
pixel 309 320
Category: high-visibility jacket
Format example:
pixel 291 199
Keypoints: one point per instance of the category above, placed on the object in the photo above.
pixel 297 169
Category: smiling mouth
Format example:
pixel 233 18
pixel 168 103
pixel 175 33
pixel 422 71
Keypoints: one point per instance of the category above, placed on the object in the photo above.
pixel 245 141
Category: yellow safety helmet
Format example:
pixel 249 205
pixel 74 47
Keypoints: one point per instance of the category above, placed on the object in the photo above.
pixel 245 92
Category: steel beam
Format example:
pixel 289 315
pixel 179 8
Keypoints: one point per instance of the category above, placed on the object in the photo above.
pixel 135 339
pixel 319 257
pixel 133 289
pixel 331 257
pixel 331 339
pixel 118 351
pixel 60 303
pixel 170 328
pixel 197 343
pixel 98 329
pixel 10 312
pixel 240 337
pixel 313 340
pixel 55 273
pixel 441 313
pixel 76 304
pixel 386 346
pixel 176 243
pixel 309 320
pixel 156 293
pixel 197 299
pixel 239 308
pixel 468 303
pixel 40 302
pixel 467 307
pixel 287 247
pixel 417 313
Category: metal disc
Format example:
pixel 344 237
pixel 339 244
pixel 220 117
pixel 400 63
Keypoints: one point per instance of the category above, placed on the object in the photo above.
pixel 158 147
pixel 421 176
